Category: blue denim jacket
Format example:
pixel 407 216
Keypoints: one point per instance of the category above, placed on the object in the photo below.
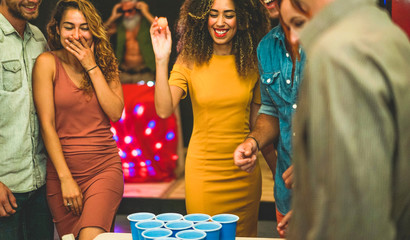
pixel 279 99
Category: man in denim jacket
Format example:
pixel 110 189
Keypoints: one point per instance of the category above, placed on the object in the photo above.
pixel 24 212
pixel 279 95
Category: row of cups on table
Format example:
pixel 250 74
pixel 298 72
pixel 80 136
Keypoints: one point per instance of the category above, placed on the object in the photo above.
pixel 171 226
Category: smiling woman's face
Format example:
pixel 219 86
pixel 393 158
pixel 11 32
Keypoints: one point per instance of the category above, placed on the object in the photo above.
pixel 222 25
pixel 293 19
pixel 73 24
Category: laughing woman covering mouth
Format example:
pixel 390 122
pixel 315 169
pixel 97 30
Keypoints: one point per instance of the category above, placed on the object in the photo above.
pixel 217 65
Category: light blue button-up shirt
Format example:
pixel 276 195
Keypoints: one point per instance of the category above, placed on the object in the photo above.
pixel 279 96
pixel 22 152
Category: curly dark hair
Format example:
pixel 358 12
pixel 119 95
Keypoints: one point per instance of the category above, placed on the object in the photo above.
pixel 104 55
pixel 196 44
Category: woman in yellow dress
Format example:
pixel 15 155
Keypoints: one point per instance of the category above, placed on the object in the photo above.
pixel 217 65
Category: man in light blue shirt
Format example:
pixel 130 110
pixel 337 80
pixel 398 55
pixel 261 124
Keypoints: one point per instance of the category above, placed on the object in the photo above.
pixel 24 212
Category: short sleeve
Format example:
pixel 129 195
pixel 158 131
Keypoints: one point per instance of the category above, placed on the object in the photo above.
pixel 257 93
pixel 179 77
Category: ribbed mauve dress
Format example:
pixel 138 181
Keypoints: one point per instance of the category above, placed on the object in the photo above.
pixel 91 155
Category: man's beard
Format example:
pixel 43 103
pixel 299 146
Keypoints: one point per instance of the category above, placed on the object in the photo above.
pixel 131 22
pixel 15 10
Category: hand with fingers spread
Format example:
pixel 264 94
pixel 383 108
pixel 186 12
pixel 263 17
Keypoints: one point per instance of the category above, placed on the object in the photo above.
pixel 72 196
pixel 82 51
pixel 161 41
pixel 7 201
pixel 245 155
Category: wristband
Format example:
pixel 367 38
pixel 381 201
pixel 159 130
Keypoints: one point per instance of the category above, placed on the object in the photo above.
pixel 91 69
pixel 257 144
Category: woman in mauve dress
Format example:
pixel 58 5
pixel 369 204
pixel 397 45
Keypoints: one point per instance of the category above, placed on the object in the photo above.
pixel 77 92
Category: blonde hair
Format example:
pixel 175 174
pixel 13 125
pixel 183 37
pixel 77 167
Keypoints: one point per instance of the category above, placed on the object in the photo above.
pixel 104 55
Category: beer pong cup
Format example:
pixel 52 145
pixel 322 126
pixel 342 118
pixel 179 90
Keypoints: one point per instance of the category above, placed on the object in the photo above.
pixel 167 238
pixel 137 217
pixel 168 217
pixel 197 217
pixel 177 226
pixel 155 233
pixel 191 235
pixel 212 229
pixel 145 225
pixel 228 222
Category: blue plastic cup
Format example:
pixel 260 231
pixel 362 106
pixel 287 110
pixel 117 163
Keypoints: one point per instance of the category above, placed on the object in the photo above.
pixel 145 225
pixel 197 217
pixel 228 222
pixel 137 217
pixel 179 225
pixel 191 235
pixel 155 233
pixel 167 238
pixel 168 217
pixel 212 229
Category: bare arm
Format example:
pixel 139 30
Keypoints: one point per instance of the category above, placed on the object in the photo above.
pixel 145 11
pixel 166 97
pixel 110 95
pixel 43 92
pixel 110 25
pixel 265 132
pixel 268 152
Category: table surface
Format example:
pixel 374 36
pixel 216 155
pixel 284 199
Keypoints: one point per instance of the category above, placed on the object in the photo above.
pixel 128 236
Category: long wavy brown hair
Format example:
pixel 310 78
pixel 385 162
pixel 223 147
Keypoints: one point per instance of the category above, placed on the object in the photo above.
pixel 196 44
pixel 104 55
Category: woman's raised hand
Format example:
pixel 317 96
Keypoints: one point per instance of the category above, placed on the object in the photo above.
pixel 161 41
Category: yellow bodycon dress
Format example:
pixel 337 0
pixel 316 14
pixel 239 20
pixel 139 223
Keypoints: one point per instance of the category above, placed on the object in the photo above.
pixel 221 105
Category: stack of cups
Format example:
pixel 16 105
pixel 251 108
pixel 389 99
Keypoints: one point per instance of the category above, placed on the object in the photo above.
pixel 228 222
pixel 168 217
pixel 197 217
pixel 142 226
pixel 212 229
pixel 137 217
pixel 179 225
pixel 156 233
pixel 191 235
pixel 172 226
